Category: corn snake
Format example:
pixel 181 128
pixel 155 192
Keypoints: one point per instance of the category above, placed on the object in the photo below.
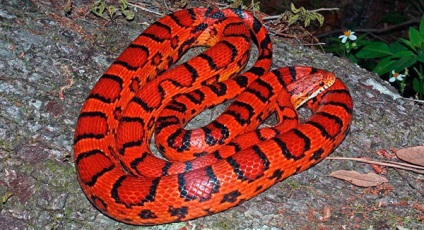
pixel 115 167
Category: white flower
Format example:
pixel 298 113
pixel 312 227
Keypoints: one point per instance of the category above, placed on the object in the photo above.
pixel 348 35
pixel 396 76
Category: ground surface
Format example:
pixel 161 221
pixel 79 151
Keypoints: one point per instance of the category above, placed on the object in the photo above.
pixel 42 51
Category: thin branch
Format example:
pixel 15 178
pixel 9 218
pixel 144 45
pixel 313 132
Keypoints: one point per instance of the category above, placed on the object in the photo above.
pixel 145 9
pixel 271 17
pixel 392 164
pixel 323 9
pixel 313 11
pixel 405 164
pixel 416 100
pixel 376 31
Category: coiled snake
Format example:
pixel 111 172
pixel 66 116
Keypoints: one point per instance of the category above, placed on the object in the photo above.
pixel 213 168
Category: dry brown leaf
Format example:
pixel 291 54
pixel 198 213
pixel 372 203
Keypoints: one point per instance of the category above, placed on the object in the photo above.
pixel 413 155
pixel 363 180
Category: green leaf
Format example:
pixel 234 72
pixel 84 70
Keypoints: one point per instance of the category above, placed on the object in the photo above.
pixel 320 19
pixel 402 53
pixel 418 85
pixel 404 62
pixel 422 27
pixel 124 4
pixel 374 50
pixel 420 58
pixel 408 44
pixel 307 21
pixel 112 10
pixel 293 19
pixel 352 58
pixel 293 8
pixel 384 66
pixel 415 37
pixel 397 46
pixel 129 15
pixel 360 40
pixel 98 8
pixel 335 48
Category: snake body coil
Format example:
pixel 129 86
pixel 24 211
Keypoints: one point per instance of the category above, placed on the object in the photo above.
pixel 216 168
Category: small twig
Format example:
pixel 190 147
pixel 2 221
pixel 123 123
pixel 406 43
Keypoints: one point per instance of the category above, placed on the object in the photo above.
pixel 405 164
pixel 394 27
pixel 271 17
pixel 392 164
pixel 166 5
pixel 145 9
pixel 313 11
pixel 376 31
pixel 323 9
pixel 313 44
pixel 410 99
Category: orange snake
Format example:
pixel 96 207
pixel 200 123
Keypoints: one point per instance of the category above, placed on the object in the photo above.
pixel 213 168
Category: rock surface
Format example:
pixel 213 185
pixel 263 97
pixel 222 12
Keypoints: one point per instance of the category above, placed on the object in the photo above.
pixel 48 64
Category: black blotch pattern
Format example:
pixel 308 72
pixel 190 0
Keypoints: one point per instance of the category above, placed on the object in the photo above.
pixel 96 200
pixel 88 154
pixel 163 122
pixel 219 89
pixel 196 96
pixel 231 197
pixel 114 78
pixel 180 213
pixel 148 198
pixel 147 214
pixel 237 116
pixel 317 154
pixel 264 85
pixel 185 142
pixel 91 135
pixel 135 162
pixel 259 188
pixel 277 174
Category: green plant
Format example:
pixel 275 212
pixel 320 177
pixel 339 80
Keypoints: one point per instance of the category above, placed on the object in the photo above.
pixel 100 7
pixel 404 56
pixel 302 15
pixel 401 55
pixel 345 45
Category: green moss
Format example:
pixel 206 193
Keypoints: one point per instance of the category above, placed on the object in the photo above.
pixel 292 183
pixel 62 173
pixel 222 225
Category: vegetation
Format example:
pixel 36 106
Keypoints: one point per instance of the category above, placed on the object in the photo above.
pixel 401 62
pixel 395 61
pixel 102 9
